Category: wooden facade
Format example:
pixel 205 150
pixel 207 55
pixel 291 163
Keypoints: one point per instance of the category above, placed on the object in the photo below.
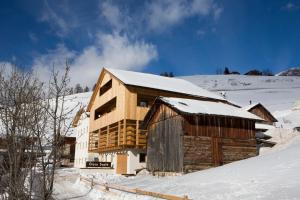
pixel 262 112
pixel 117 111
pixel 183 142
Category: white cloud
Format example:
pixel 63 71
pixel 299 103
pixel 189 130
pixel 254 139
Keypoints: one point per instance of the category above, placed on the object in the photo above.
pixel 217 11
pixel 110 50
pixel 43 64
pixel 201 33
pixel 162 15
pixel 59 17
pixel 33 37
pixel 157 15
pixel 290 7
pixel 113 15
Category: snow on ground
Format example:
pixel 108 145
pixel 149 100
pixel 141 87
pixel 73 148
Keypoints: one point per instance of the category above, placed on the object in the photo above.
pixel 273 175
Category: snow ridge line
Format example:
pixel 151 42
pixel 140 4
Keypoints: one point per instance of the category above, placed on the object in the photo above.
pixel 133 191
pixel 243 89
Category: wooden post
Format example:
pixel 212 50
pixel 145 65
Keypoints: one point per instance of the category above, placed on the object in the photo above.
pixel 124 133
pixel 119 132
pixel 107 134
pixel 89 141
pixel 137 133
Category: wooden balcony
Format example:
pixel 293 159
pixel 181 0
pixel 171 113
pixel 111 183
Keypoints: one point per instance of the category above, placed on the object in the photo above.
pixel 105 120
pixel 117 136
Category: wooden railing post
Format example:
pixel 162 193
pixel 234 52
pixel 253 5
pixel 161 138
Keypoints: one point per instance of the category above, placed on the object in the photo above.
pixel 137 133
pixel 124 133
pixel 119 132
pixel 107 136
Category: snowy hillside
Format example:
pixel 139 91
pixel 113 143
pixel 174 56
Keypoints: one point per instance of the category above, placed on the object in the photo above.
pixel 243 82
pixel 276 93
pixel 74 102
pixel 295 71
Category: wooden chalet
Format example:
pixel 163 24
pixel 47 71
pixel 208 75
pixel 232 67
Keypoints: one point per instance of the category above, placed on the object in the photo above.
pixel 117 107
pixel 261 111
pixel 186 135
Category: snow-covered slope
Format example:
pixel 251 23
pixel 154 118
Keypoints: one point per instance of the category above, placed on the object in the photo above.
pixel 73 103
pixel 276 93
pixel 243 82
pixel 295 71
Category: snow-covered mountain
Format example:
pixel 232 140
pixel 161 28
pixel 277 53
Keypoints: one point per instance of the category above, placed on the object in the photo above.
pixel 295 71
pixel 276 93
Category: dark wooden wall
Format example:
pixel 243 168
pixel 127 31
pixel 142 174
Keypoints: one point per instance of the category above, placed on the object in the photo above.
pixel 184 143
pixel 262 113
pixel 164 143
pixel 213 140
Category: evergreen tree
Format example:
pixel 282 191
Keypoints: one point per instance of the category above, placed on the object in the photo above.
pixel 86 89
pixel 78 89
pixel 226 71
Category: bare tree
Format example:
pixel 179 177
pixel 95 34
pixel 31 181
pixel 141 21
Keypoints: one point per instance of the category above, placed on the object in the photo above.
pixel 19 92
pixel 34 120
pixel 57 128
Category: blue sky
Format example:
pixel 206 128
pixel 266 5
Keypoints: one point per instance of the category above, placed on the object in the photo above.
pixel 183 36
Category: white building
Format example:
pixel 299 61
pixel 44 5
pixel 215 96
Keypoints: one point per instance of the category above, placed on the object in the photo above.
pixel 134 160
pixel 81 129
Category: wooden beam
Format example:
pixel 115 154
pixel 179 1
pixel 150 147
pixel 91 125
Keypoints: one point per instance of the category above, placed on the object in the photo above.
pixel 107 138
pixel 119 132
pixel 99 132
pixel 133 191
pixel 124 132
pixel 137 133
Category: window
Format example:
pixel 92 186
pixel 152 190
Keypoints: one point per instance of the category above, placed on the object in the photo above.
pixel 106 108
pixel 105 87
pixel 144 100
pixel 142 157
pixel 143 103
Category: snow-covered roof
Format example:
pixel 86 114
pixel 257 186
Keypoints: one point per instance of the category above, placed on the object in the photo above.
pixel 208 107
pixel 162 83
pixel 250 106
pixel 264 126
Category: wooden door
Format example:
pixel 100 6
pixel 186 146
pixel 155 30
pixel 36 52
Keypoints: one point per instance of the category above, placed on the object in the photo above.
pixel 121 163
pixel 217 153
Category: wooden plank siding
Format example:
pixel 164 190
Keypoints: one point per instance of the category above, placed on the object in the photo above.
pixel 180 142
pixel 262 113
pixel 164 150
pixel 215 140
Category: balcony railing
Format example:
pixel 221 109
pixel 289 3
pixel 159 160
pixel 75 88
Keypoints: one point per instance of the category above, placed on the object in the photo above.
pixel 117 136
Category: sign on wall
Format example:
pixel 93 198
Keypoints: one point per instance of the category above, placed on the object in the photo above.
pixel 98 164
